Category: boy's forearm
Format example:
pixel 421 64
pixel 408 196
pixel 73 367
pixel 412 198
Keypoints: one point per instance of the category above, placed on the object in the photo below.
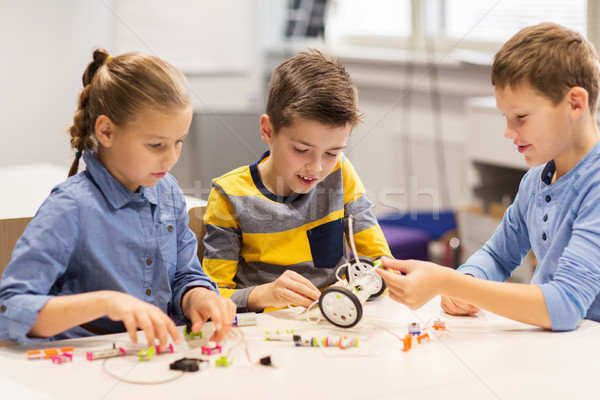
pixel 520 302
pixel 64 312
pixel 257 299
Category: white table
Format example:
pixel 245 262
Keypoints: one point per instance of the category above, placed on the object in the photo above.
pixel 25 187
pixel 487 357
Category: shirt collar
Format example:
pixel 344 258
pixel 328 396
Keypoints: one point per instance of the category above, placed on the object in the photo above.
pixel 116 194
pixel 263 189
pixel 589 159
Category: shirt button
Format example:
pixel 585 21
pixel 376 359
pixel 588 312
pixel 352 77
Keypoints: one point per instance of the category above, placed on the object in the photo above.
pixel 148 292
pixel 148 261
pixel 548 198
pixel 545 217
pixel 2 308
pixel 543 236
pixel 170 228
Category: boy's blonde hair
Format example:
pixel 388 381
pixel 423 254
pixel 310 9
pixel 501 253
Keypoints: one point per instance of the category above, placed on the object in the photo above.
pixel 552 59
pixel 121 87
pixel 314 86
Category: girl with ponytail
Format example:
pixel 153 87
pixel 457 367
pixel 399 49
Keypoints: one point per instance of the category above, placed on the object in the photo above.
pixel 110 249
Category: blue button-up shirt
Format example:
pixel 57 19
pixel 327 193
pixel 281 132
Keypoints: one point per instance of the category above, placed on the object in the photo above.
pixel 93 234
pixel 560 222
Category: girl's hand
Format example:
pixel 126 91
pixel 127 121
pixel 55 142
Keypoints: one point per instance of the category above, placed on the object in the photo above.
pixel 135 313
pixel 199 304
pixel 458 307
pixel 289 288
pixel 412 282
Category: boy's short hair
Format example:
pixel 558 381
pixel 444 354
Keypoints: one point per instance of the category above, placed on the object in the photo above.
pixel 552 59
pixel 314 86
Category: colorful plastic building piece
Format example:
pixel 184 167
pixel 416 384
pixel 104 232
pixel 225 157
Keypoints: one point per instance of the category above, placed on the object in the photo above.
pixel 423 336
pixel 344 342
pixel 49 353
pixel 245 319
pixel 61 358
pixel 210 350
pixel 169 349
pixel 414 328
pixel 223 361
pixel 439 325
pixel 147 354
pixel 189 335
pixel 407 342
pixel 288 336
pixel 96 355
pixel 34 354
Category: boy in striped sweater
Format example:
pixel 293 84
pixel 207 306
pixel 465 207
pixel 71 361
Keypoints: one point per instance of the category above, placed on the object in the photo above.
pixel 275 229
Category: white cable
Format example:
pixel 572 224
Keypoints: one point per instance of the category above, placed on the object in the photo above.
pixel 352 244
pixel 123 379
pixel 311 320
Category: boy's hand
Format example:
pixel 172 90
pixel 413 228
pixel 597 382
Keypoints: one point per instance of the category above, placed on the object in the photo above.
pixel 457 307
pixel 135 313
pixel 199 304
pixel 289 288
pixel 421 281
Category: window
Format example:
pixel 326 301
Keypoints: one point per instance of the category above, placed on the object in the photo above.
pixel 445 24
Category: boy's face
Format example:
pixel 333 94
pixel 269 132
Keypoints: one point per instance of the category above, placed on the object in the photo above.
pixel 536 126
pixel 145 149
pixel 302 154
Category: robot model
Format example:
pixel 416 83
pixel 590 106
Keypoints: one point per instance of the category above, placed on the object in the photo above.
pixel 342 303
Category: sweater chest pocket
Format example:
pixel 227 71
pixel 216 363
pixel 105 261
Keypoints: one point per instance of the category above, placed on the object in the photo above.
pixel 327 243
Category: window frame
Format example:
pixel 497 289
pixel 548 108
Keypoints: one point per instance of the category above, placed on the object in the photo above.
pixel 418 41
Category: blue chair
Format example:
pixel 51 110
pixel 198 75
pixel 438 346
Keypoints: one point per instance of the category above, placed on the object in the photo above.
pixel 408 235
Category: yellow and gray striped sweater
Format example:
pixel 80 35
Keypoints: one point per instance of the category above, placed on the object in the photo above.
pixel 253 236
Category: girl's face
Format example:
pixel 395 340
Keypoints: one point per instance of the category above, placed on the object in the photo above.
pixel 145 149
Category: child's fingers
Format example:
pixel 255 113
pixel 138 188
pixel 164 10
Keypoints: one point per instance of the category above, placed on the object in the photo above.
pixel 298 289
pixel 196 319
pixel 397 265
pixel 160 332
pixel 161 327
pixel 172 329
pixel 457 307
pixel 392 279
pixel 220 334
pixel 131 327
pixel 302 285
pixel 221 326
pixel 146 325
pixel 293 297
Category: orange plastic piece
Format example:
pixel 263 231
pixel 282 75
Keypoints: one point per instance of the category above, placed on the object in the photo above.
pixel 50 352
pixel 66 350
pixel 439 325
pixel 422 337
pixel 34 355
pixel 407 342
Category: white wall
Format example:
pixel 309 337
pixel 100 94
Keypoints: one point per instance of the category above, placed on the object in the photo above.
pixel 394 150
pixel 45 47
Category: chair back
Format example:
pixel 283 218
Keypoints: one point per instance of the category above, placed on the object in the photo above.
pixel 197 226
pixel 10 231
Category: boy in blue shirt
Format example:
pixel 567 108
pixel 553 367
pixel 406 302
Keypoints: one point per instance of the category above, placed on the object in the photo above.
pixel 546 84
